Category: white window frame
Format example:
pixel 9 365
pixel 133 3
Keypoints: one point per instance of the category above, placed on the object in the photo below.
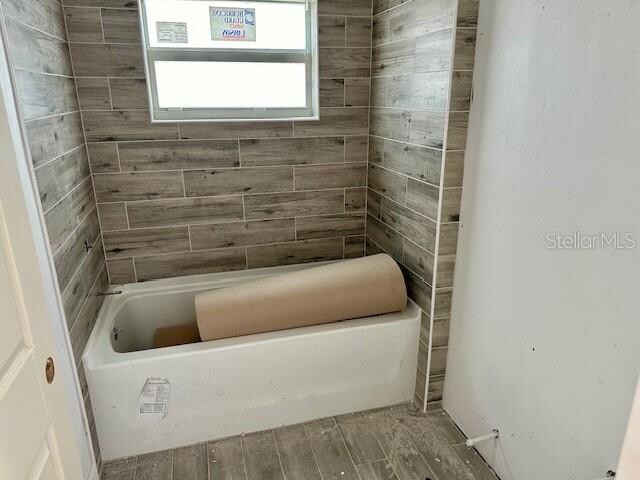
pixel 309 57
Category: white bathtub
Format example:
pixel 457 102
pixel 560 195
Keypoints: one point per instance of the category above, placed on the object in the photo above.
pixel 233 386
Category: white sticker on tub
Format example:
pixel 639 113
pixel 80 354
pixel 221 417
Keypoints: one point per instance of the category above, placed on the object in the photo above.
pixel 154 397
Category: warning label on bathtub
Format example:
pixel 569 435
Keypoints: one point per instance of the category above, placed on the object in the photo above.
pixel 154 397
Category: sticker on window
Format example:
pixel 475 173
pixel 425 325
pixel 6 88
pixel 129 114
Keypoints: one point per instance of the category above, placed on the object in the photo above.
pixel 235 24
pixel 172 32
pixel 154 397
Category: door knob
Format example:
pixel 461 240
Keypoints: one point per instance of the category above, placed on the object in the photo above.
pixel 50 370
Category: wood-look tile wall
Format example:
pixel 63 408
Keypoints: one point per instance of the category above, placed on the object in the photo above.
pixel 39 53
pixel 422 61
pixel 185 198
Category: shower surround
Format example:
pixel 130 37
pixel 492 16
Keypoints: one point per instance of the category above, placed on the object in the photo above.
pixel 382 168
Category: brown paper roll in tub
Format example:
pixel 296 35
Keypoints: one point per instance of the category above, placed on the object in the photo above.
pixel 339 291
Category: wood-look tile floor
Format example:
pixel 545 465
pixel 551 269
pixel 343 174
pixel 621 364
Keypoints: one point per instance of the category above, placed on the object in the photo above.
pixel 394 443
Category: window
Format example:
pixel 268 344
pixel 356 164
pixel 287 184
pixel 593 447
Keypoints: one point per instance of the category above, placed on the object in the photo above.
pixel 231 60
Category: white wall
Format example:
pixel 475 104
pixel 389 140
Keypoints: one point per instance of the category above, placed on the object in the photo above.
pixel 545 344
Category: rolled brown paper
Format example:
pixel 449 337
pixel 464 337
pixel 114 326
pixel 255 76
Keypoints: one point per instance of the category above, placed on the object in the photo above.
pixel 339 291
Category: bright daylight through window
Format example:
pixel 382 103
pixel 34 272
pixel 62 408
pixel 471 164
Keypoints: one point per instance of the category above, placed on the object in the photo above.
pixel 231 60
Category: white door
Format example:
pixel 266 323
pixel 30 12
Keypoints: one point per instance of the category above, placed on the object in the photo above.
pixel 39 434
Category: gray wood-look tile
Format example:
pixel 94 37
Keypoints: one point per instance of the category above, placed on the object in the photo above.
pixel 330 226
pixel 427 128
pixel 419 260
pixel 295 452
pixel 36 13
pixel 382 5
pixel 418 162
pixel 441 457
pixel 356 148
pixel 284 205
pixel 465 49
pixel 124 475
pixel 384 237
pixel 226 460
pixel 190 463
pixel 336 121
pixel 332 92
pixel 107 60
pixel 146 241
pixel 356 92
pixel 238 181
pixel 36 51
pixel 423 354
pixel 344 62
pixel 74 296
pixel 474 462
pixel 83 24
pixel 184 211
pixel 292 253
pixel 120 26
pixel 433 51
pixel 420 229
pixel 296 455
pixel 172 265
pixel 416 18
pixel 330 451
pixel 129 93
pixel 417 289
pixel 65 216
pixel 354 247
pixel 339 175
pixel 359 438
pixel 176 155
pixel 103 157
pixel 395 58
pixel 57 15
pixel 93 93
pixel 41 95
pixel 451 198
pixel 72 253
pixel 458 126
pixel 124 125
pixel 155 466
pixel 438 360
pixel 235 130
pixel 453 169
pixel 448 239
pixel 355 199
pixel 425 199
pixel 398 446
pixel 388 183
pixel 381 470
pixel 121 271
pixel 391 123
pixel 113 216
pixel 52 136
pixel 358 8
pixel 461 90
pixel 331 31
pixel 119 465
pixel 261 456
pixel 440 334
pixel 57 178
pixel 119 187
pixel 238 234
pixel 468 13
pixel 381 29
pixel 359 32
pixel 291 151
pixel 373 203
pixel 86 319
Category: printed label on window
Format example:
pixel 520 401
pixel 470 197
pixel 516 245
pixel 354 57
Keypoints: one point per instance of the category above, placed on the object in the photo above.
pixel 235 24
pixel 154 397
pixel 172 32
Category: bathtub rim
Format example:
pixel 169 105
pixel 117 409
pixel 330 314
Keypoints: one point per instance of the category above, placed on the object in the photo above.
pixel 99 352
